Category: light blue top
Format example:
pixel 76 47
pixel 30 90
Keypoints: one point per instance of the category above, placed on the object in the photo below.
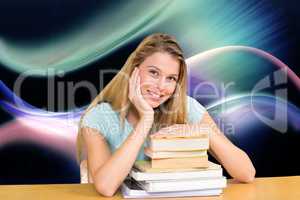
pixel 104 119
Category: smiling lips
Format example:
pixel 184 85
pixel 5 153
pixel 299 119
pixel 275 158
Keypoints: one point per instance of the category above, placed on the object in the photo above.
pixel 153 95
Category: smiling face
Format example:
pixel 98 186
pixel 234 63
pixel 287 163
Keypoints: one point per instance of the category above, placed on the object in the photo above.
pixel 159 74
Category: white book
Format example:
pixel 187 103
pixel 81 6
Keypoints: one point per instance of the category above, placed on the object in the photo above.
pixel 130 189
pixel 173 154
pixel 145 166
pixel 179 144
pixel 213 172
pixel 183 185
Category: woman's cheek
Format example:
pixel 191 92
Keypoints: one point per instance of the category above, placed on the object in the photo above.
pixel 171 89
pixel 146 83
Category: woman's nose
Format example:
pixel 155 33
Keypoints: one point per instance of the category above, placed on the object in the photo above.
pixel 161 84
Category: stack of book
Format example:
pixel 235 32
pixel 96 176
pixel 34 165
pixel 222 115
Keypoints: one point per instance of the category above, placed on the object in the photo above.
pixel 178 166
pixel 178 151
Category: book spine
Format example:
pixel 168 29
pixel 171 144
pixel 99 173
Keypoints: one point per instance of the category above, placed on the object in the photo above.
pixel 139 176
pixel 162 145
pixel 175 163
pixel 184 185
pixel 173 154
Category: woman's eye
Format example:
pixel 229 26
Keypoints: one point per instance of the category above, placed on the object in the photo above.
pixel 172 79
pixel 155 73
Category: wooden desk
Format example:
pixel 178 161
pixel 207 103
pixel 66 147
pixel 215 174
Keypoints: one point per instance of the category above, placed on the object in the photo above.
pixel 279 188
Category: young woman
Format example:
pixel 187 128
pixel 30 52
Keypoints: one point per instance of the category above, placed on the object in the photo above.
pixel 148 96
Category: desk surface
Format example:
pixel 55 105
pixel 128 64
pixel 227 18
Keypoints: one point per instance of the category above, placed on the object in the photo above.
pixel 277 188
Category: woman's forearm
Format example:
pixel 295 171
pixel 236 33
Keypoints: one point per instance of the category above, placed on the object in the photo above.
pixel 110 175
pixel 235 161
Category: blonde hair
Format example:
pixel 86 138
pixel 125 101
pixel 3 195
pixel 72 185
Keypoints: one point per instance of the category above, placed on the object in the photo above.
pixel 119 100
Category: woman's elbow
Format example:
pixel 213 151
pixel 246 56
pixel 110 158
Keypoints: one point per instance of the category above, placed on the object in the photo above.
pixel 104 189
pixel 248 177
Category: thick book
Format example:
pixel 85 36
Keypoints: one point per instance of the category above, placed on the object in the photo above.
pixel 142 173
pixel 175 163
pixel 178 144
pixel 183 185
pixel 173 154
pixel 130 189
pixel 204 133
pixel 145 166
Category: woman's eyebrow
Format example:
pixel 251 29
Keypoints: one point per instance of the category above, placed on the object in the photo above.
pixel 152 66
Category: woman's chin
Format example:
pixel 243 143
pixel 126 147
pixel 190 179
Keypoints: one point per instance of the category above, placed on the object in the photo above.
pixel 153 104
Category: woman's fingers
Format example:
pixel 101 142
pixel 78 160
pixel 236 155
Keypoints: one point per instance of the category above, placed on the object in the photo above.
pixel 132 84
pixel 135 77
pixel 173 131
pixel 136 84
pixel 161 133
pixel 138 87
pixel 136 97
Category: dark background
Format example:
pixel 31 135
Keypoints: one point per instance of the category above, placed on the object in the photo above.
pixel 33 21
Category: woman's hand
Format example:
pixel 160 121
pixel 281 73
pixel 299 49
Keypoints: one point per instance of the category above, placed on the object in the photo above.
pixel 135 96
pixel 181 130
pixel 170 131
pixel 206 126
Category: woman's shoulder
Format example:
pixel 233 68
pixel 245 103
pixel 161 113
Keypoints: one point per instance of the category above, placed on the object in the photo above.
pixel 189 98
pixel 100 117
pixel 195 110
pixel 100 112
pixel 102 107
pixel 191 101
